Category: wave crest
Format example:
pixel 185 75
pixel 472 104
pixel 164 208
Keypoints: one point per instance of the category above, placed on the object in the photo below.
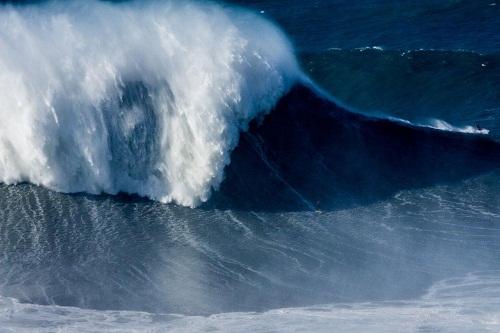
pixel 139 98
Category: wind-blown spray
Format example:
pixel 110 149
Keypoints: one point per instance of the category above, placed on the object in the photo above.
pixel 140 98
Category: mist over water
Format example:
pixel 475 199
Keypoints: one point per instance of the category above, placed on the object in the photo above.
pixel 169 166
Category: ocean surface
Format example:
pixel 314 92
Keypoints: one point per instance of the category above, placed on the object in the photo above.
pixel 250 166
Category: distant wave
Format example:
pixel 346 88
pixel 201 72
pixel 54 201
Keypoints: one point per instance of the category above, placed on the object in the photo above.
pixel 456 86
pixel 145 98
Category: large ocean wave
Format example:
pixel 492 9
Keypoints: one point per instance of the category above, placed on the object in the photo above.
pixel 369 202
pixel 152 98
pixel 146 98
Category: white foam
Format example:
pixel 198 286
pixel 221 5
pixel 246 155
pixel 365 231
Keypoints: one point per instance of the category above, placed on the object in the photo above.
pixel 200 74
pixel 441 125
pixel 444 126
pixel 459 305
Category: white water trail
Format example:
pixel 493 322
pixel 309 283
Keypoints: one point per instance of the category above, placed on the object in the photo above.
pixel 444 126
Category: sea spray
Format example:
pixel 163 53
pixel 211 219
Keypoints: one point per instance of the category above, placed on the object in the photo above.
pixel 145 98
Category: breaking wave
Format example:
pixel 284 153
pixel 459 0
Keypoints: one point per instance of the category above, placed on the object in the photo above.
pixel 146 98
pixel 152 98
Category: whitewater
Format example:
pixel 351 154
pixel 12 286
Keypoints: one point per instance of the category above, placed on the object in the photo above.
pixel 442 309
pixel 99 97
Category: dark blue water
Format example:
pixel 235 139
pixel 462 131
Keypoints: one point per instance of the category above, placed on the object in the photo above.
pixel 418 61
pixel 398 25
pixel 374 180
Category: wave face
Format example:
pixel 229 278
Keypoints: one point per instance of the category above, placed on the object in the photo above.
pixel 310 153
pixel 146 98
